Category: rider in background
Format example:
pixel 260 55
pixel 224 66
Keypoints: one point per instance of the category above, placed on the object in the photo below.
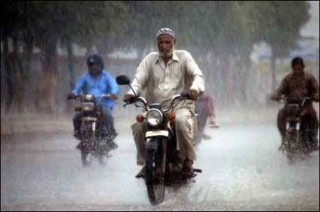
pixel 163 74
pixel 205 110
pixel 97 81
pixel 299 84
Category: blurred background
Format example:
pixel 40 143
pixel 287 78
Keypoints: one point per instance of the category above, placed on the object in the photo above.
pixel 243 48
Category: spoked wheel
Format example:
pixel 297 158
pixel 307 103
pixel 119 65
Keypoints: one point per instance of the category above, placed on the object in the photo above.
pixel 290 159
pixel 86 158
pixel 292 147
pixel 103 157
pixel 86 143
pixel 155 167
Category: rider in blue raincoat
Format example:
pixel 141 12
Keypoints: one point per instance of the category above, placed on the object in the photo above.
pixel 96 81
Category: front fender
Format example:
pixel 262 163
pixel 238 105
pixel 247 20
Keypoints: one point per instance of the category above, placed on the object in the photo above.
pixel 152 144
pixel 156 133
pixel 153 137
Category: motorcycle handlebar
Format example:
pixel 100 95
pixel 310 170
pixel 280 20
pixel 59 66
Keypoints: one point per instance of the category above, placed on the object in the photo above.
pixel 109 96
pixel 81 96
pixel 173 98
pixel 303 100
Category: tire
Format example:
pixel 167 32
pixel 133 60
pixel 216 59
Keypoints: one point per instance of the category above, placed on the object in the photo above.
pixel 103 156
pixel 155 169
pixel 86 158
pixel 103 159
pixel 291 159
pixel 292 149
pixel 87 143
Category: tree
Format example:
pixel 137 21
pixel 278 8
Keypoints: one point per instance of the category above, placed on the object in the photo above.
pixel 44 24
pixel 279 23
pixel 218 34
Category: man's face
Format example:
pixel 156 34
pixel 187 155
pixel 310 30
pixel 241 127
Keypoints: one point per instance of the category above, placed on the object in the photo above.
pixel 297 68
pixel 165 45
pixel 94 68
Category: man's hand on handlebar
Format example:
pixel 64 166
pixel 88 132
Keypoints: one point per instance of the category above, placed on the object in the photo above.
pixel 113 96
pixel 315 97
pixel 71 96
pixel 193 94
pixel 275 98
pixel 128 98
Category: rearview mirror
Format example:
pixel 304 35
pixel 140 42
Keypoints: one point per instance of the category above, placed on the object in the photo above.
pixel 123 80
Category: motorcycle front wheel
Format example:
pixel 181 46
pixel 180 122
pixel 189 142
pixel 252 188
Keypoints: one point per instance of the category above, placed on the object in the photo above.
pixel 292 147
pixel 103 157
pixel 86 158
pixel 155 169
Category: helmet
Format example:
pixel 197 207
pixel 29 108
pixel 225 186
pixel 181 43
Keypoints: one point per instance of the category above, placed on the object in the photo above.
pixel 95 59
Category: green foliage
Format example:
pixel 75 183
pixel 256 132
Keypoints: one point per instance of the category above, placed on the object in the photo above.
pixel 224 27
pixel 278 23
pixel 221 29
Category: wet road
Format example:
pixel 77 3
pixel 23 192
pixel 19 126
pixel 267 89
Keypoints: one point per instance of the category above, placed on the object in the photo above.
pixel 242 170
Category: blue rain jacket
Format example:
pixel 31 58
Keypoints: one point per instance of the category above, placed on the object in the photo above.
pixel 104 83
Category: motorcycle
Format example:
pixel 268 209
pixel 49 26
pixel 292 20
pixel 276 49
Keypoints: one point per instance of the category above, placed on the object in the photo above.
pixel 296 142
pixel 162 164
pixel 95 139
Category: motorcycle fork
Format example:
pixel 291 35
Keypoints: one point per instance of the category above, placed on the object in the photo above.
pixel 92 138
pixel 296 127
pixel 157 147
pixel 290 128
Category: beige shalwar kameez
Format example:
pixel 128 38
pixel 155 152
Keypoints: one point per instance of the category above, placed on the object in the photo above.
pixel 161 81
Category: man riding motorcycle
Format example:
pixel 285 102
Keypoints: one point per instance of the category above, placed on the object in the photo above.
pixel 299 84
pixel 97 81
pixel 163 74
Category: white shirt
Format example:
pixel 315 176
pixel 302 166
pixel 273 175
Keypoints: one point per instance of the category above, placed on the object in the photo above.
pixel 162 81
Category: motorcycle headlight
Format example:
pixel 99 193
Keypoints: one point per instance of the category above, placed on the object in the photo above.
pixel 88 97
pixel 154 117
